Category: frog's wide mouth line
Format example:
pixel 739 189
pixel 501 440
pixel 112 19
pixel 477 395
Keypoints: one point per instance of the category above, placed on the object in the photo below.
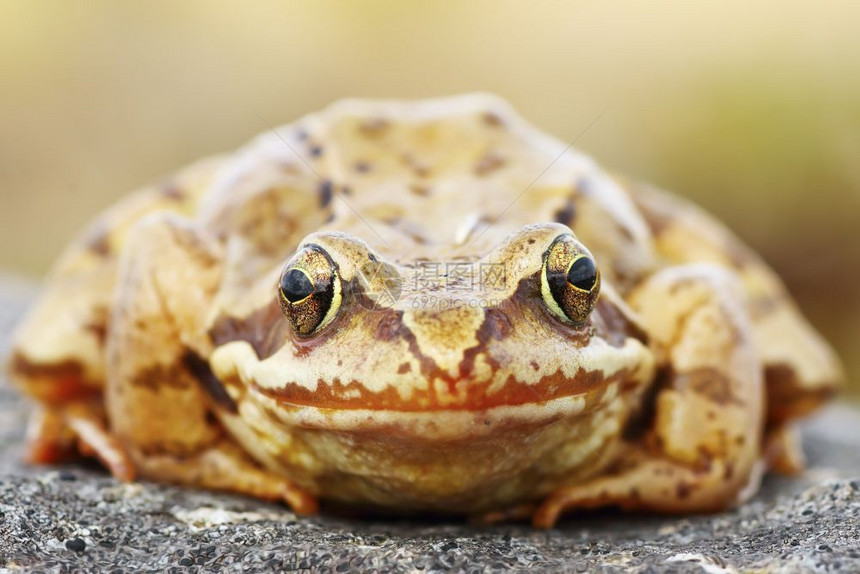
pixel 456 395
pixel 440 423
pixel 445 424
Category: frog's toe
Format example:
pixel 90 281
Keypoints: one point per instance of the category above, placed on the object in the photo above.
pixel 58 435
pixel 95 440
pixel 783 450
pixel 49 438
pixel 566 498
pixel 300 500
pixel 224 466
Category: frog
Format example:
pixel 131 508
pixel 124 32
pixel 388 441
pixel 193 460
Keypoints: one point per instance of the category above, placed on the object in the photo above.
pixel 421 307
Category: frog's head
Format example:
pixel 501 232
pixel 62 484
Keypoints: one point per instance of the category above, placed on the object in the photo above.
pixel 528 323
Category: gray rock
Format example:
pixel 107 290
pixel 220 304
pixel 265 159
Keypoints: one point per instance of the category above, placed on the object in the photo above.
pixel 77 518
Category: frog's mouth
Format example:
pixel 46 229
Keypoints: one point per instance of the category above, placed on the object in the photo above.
pixel 600 369
pixel 454 394
pixel 431 407
pixel 514 412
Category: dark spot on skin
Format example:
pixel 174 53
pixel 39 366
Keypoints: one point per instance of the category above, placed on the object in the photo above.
pixel 641 421
pixel 301 135
pixel 63 381
pixel 614 326
pixel 98 240
pixel 534 365
pixel 97 324
pixel 625 232
pixel 160 375
pixel 489 163
pixel 706 381
pixel 408 228
pixel 730 471
pixel 683 490
pixel 404 368
pixel 786 396
pixel 418 168
pixel 172 192
pixel 288 167
pixel 265 329
pixel 492 119
pixel 362 167
pixel 496 325
pixel 389 326
pixel 98 329
pixel 567 214
pixel 707 456
pixel 316 151
pixel 373 128
pixel 531 241
pixel 325 192
pixel 200 370
pixel 420 190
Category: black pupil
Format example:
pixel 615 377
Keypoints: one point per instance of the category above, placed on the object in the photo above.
pixel 295 285
pixel 582 274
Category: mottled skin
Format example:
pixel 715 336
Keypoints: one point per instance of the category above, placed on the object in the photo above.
pixel 162 345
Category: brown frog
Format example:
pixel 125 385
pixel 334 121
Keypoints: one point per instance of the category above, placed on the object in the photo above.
pixel 421 306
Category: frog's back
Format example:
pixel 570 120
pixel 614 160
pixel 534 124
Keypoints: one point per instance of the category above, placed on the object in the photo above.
pixel 440 179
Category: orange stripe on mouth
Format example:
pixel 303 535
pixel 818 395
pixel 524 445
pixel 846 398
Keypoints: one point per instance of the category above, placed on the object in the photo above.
pixel 472 396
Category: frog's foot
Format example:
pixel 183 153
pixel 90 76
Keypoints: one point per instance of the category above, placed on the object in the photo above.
pixel 703 450
pixel 223 466
pixel 54 434
pixel 654 484
pixel 783 450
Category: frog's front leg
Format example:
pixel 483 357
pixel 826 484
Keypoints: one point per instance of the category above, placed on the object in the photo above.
pixel 702 453
pixel 156 404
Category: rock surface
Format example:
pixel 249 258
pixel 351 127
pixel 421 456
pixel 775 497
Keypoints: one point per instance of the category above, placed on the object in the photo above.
pixel 75 517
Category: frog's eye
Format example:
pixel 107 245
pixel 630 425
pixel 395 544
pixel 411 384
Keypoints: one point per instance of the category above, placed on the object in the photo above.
pixel 570 280
pixel 310 290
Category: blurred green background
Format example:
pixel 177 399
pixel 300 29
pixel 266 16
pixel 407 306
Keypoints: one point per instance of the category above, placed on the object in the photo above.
pixel 750 108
